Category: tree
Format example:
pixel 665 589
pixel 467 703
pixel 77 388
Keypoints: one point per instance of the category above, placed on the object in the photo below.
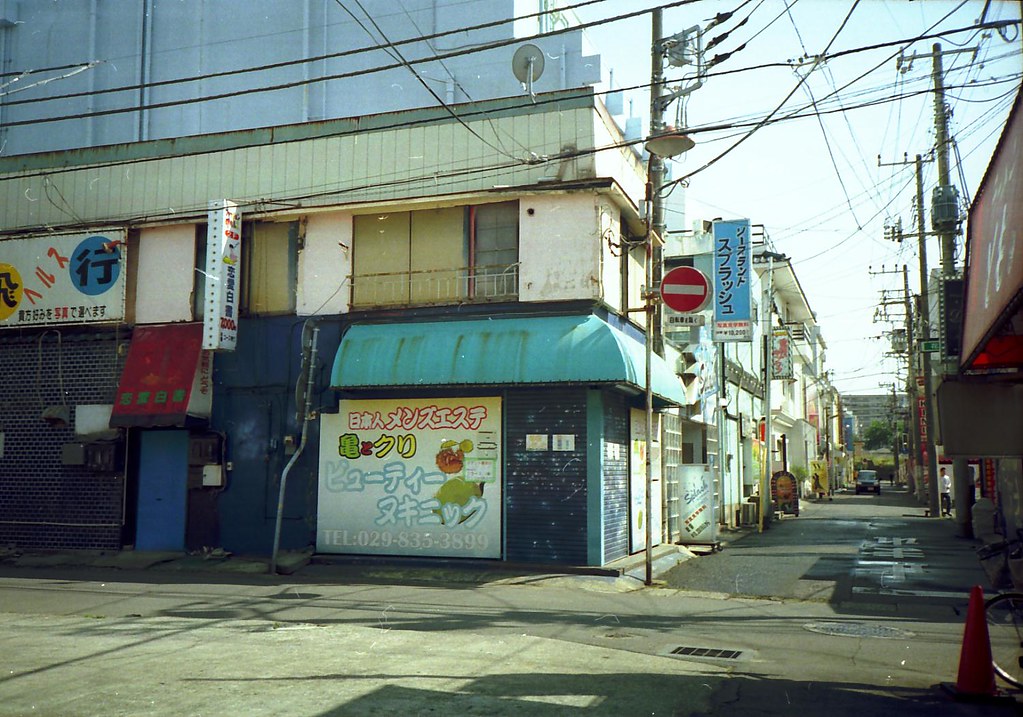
pixel 878 435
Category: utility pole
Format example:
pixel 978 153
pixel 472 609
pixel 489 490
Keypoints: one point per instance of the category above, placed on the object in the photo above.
pixel 927 427
pixel 914 415
pixel 924 473
pixel 944 223
pixel 656 167
pixel 681 49
pixel 894 231
pixel 921 406
pixel 945 219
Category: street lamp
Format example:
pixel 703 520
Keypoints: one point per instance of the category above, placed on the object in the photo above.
pixel 662 146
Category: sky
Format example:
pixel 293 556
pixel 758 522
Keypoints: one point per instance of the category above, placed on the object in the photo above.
pixel 815 182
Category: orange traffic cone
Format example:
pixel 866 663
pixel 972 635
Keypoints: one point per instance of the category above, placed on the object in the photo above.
pixel 976 672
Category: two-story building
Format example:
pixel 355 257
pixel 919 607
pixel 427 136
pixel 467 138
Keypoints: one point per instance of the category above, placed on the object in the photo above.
pixel 426 334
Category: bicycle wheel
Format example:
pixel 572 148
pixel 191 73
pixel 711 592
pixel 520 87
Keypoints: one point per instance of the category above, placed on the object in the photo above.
pixel 1004 614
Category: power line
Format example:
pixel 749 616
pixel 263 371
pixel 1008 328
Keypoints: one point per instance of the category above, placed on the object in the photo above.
pixel 392 50
pixel 713 161
pixel 772 113
pixel 397 65
pixel 337 55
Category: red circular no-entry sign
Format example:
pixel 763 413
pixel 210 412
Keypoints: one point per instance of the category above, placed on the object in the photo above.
pixel 685 289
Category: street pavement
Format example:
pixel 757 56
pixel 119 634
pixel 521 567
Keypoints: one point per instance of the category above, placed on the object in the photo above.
pixel 856 607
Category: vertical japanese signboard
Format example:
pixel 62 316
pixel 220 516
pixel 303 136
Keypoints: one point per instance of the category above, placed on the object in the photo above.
pixel 698 515
pixel 781 354
pixel 62 279
pixel 637 480
pixel 411 477
pixel 733 262
pixel 223 265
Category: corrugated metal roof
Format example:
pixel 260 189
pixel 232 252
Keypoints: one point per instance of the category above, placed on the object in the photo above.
pixel 388 157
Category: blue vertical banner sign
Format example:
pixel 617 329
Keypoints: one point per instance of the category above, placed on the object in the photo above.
pixel 733 265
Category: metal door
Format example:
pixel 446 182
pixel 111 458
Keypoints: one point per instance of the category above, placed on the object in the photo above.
pixel 163 484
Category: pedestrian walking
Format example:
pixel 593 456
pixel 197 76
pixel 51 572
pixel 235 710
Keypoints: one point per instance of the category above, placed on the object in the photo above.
pixel 945 483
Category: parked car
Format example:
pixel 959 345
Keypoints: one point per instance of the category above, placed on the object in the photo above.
pixel 867 482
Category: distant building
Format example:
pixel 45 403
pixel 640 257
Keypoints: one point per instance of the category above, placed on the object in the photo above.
pixel 867 409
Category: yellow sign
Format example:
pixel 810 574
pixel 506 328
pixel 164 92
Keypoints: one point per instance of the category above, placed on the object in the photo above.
pixel 819 476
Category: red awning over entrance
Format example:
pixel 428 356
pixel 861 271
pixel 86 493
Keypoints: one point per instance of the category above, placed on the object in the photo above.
pixel 166 378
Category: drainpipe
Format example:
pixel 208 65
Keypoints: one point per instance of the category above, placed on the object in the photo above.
pixel 310 382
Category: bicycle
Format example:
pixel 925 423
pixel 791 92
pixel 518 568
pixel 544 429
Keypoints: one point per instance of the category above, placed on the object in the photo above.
pixel 1004 612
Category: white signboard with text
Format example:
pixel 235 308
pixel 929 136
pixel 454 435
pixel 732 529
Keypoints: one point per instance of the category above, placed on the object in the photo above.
pixel 223 276
pixel 637 480
pixel 63 279
pixel 699 524
pixel 411 477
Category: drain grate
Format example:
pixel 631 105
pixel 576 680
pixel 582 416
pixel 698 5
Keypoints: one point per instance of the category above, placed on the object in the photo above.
pixel 709 652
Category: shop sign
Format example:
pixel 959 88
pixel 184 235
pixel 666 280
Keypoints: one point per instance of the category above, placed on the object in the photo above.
pixel 785 492
pixel 223 276
pixel 698 522
pixel 411 477
pixel 819 475
pixel 637 480
pixel 166 377
pixel 990 483
pixel 995 263
pixel 733 315
pixel 63 279
pixel 781 354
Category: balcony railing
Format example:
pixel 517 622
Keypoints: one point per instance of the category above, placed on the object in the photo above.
pixel 436 287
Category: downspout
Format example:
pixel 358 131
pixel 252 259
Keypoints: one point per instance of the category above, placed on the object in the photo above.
pixel 310 383
pixel 145 70
pixel 90 123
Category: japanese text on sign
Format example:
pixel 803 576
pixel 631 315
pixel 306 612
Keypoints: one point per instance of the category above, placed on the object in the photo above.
pixel 223 260
pixel 732 287
pixel 426 469
pixel 62 279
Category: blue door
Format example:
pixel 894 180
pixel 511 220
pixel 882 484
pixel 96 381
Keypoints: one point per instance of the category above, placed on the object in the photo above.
pixel 163 490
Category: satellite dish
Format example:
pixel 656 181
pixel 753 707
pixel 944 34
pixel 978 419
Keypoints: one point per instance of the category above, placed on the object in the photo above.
pixel 527 65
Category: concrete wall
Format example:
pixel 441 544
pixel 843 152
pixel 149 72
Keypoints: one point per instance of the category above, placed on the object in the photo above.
pixel 325 264
pixel 559 247
pixel 166 274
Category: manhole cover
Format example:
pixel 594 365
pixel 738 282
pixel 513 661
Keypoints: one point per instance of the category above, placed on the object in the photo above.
pixel 857 629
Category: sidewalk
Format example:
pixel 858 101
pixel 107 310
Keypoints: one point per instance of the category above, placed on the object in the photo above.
pixel 626 573
pixel 305 566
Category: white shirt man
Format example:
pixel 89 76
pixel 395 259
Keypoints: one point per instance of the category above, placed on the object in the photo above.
pixel 945 482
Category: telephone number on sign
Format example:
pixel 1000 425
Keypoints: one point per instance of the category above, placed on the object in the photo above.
pixel 405 539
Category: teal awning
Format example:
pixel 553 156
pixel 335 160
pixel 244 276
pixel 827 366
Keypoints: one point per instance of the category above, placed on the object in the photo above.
pixel 538 350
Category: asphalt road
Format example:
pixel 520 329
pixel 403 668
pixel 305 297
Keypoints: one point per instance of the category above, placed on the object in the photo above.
pixel 861 554
pixel 851 609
